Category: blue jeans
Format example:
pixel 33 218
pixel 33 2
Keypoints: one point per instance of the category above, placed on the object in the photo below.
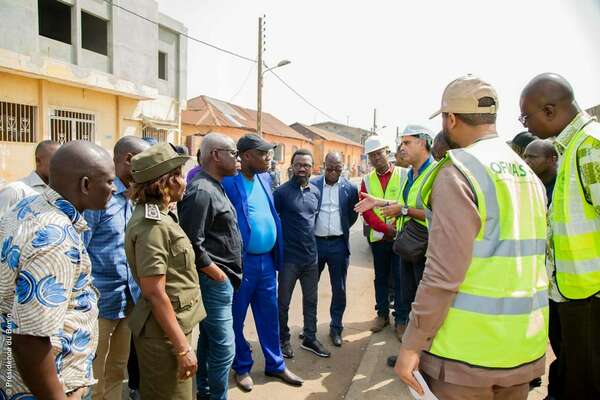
pixel 259 290
pixel 335 254
pixel 387 266
pixel 216 343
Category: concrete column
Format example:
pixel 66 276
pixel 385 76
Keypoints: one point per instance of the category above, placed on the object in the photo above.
pixel 43 118
pixel 76 32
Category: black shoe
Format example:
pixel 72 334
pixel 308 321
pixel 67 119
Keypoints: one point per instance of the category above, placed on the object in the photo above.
pixel 301 336
pixel 336 338
pixel 316 347
pixel 391 361
pixel 287 376
pixel 286 350
pixel 200 396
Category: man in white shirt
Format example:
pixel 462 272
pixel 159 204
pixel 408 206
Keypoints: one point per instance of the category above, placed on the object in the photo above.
pixel 35 182
pixel 332 230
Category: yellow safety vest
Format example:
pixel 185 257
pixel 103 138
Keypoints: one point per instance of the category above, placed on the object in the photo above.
pixel 575 225
pixel 499 317
pixel 392 193
pixel 413 198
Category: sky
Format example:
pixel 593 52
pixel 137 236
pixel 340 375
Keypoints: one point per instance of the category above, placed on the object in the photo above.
pixel 349 57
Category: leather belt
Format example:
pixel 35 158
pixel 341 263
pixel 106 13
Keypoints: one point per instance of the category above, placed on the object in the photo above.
pixel 330 237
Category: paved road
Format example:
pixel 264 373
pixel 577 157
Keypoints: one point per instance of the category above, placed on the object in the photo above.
pixel 330 378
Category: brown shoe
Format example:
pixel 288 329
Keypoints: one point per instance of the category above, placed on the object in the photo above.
pixel 244 381
pixel 380 323
pixel 400 329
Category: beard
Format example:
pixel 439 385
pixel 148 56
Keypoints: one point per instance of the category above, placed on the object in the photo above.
pixel 451 143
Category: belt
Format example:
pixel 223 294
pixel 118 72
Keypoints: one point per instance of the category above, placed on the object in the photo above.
pixel 330 237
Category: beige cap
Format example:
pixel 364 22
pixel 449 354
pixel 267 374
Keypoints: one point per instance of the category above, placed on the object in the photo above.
pixel 462 96
pixel 155 161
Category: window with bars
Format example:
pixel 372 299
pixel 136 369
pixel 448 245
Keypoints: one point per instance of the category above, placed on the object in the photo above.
pixel 68 125
pixel 17 122
pixel 161 135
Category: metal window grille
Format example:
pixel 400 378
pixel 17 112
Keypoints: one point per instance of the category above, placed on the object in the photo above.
pixel 159 134
pixel 17 122
pixel 71 125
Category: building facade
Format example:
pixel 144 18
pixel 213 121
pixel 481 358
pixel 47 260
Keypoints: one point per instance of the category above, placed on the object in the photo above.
pixel 87 69
pixel 205 114
pixel 325 142
pixel 357 135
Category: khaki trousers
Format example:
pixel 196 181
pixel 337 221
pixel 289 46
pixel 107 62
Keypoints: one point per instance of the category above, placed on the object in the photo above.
pixel 158 370
pixel 110 364
pixel 449 391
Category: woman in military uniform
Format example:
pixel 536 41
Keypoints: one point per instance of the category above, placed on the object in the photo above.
pixel 162 261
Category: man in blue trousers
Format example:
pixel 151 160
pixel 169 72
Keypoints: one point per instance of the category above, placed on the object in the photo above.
pixel 332 230
pixel 260 226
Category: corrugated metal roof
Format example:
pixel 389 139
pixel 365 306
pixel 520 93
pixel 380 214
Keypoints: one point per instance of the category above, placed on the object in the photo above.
pixel 208 111
pixel 328 135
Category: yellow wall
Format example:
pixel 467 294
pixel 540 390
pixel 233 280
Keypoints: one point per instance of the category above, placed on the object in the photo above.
pixel 116 116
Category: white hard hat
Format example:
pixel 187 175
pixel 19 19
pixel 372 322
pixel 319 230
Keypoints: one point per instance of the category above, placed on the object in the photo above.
pixel 417 130
pixel 374 143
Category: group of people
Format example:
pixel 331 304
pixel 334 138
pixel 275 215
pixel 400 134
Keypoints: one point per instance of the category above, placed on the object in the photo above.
pixel 485 251
pixel 509 256
pixel 111 263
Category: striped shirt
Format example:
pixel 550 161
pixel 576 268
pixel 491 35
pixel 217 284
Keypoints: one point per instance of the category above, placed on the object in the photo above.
pixel 105 242
pixel 46 290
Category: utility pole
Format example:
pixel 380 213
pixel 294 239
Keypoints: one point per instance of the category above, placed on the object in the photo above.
pixel 259 82
pixel 374 121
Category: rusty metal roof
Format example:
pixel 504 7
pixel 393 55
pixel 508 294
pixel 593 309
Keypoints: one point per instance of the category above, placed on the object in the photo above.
pixel 208 111
pixel 328 135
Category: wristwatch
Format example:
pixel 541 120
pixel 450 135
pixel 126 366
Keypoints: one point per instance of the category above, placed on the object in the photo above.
pixel 404 210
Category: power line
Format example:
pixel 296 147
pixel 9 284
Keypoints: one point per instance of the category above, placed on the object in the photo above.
pixel 243 83
pixel 302 97
pixel 183 34
pixel 240 56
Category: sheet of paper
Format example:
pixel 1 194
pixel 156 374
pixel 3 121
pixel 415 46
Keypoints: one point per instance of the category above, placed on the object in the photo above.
pixel 428 394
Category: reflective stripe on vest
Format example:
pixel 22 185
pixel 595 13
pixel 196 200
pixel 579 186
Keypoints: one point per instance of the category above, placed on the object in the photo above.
pixel 413 200
pixel 575 225
pixel 498 318
pixel 392 193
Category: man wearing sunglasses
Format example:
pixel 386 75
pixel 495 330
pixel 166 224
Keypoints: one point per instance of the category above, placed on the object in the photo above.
pixel 260 226
pixel 549 109
pixel 209 220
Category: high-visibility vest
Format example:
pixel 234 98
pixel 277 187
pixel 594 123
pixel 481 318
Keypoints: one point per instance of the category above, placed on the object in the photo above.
pixel 575 225
pixel 392 193
pixel 499 317
pixel 413 198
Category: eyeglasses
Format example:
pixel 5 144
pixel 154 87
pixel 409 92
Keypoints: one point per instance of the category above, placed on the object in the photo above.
pixel 300 166
pixel 232 153
pixel 524 117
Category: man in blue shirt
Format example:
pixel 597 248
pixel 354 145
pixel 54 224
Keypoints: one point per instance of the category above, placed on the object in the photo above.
pixel 297 202
pixel 105 242
pixel 250 193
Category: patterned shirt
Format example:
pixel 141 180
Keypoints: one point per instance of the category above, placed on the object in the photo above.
pixel 105 242
pixel 46 290
pixel 588 166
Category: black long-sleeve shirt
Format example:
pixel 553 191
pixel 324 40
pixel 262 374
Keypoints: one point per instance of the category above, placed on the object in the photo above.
pixel 210 222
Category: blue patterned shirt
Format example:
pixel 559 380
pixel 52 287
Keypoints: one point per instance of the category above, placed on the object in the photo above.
pixel 46 290
pixel 105 241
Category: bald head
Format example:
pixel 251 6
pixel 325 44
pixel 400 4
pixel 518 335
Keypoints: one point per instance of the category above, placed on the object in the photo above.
pixel 334 157
pixel 83 173
pixel 218 155
pixel 129 144
pixel 43 153
pixel 334 166
pixel 547 105
pixel 548 88
pixel 440 146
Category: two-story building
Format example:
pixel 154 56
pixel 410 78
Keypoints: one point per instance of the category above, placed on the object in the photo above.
pixel 87 69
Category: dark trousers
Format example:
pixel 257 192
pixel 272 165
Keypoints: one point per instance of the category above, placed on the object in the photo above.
pixel 410 277
pixel 580 350
pixel 308 275
pixel 334 253
pixel 387 266
pixel 258 290
pixel 555 377
pixel 133 369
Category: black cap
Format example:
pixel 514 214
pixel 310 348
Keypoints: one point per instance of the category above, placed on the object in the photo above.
pixel 252 141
